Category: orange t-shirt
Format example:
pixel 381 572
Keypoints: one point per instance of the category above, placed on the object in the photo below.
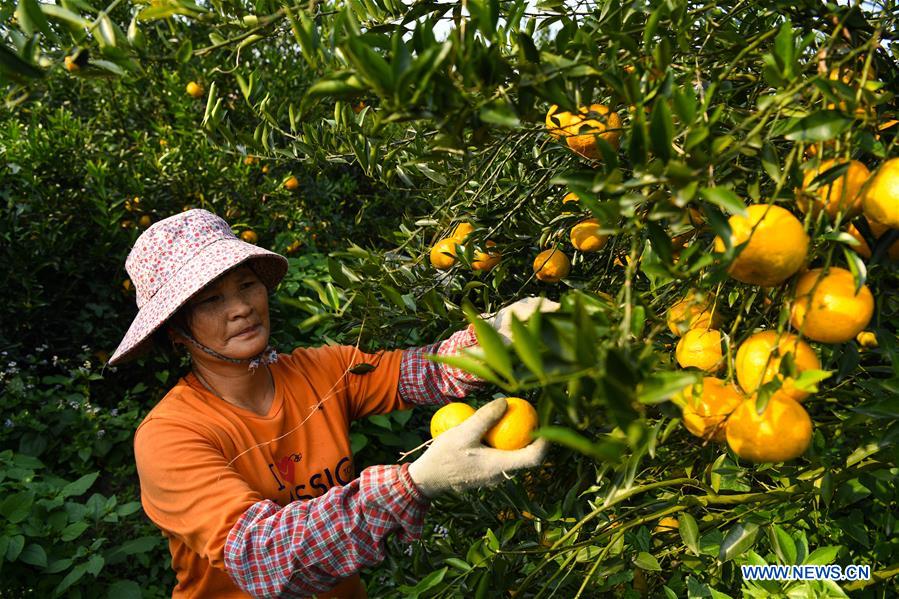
pixel 200 468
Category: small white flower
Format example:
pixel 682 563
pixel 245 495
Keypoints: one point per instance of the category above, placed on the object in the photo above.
pixel 87 364
pixel 8 424
pixel 100 433
pixel 114 412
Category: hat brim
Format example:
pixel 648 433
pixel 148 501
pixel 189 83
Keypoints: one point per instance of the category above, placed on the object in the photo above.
pixel 206 266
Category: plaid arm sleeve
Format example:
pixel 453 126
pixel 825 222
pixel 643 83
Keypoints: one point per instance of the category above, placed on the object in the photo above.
pixel 306 547
pixel 425 382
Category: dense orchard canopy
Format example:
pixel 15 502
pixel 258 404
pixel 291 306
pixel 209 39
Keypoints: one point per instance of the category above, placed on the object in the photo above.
pixel 709 189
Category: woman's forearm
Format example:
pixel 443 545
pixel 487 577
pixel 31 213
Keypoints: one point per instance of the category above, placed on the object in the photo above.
pixel 307 547
pixel 426 382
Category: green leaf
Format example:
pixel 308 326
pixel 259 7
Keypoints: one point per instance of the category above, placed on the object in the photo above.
pixel 808 380
pixel 569 438
pixel 458 563
pixel 470 365
pixel 823 556
pixel 34 555
pixel 738 539
pixel 65 15
pixel 648 562
pixel 500 113
pixel 16 508
pixel 819 126
pixel 526 346
pixel 783 545
pixel 724 199
pixel 689 532
pixel 428 582
pixel 71 578
pixel 79 486
pixel 661 131
pixel 73 531
pixel 14 548
pixel 370 65
pixel 32 19
pixel 495 352
pixel 185 51
pixel 124 589
pixel 15 67
pixel 856 267
pixel 660 386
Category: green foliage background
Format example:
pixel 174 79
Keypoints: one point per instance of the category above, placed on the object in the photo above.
pixel 720 102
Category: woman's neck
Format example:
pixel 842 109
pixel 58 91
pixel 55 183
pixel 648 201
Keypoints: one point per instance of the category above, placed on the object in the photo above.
pixel 235 384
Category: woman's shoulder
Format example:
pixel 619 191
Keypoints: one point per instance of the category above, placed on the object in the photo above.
pixel 182 406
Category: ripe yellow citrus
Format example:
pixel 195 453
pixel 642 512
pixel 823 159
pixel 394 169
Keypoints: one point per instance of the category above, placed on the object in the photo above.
pixel 249 236
pixel 194 89
pixel 863 249
pixel 462 231
pixel 700 348
pixel 359 107
pixel 591 122
pixel 831 312
pixel 556 121
pixel 291 183
pixel 551 266
pixel 264 169
pixel 881 201
pixel 585 236
pixel 695 311
pixel 777 246
pixel 485 261
pixel 249 160
pixel 758 362
pixel 293 248
pixel 570 197
pixel 513 431
pixel 843 194
pixel 448 416
pixel 126 285
pixel 70 64
pixel 705 409
pixel 439 258
pixel 667 524
pixel 782 432
pixel 144 221
pixel 867 339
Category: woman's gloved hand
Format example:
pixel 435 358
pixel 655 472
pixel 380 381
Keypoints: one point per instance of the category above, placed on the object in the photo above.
pixel 523 309
pixel 457 461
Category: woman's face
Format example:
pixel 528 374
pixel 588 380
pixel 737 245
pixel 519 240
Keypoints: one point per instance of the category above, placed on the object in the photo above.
pixel 230 315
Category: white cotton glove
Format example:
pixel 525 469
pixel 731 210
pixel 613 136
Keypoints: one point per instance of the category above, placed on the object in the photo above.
pixel 523 309
pixel 457 461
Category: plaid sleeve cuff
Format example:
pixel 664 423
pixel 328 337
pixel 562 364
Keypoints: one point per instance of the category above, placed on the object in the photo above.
pixel 307 547
pixel 425 382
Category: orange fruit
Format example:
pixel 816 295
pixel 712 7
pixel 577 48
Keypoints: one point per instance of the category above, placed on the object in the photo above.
pixel 831 312
pixel 439 258
pixel 700 348
pixel 485 261
pixel 359 107
pixel 291 183
pixel 448 416
pixel 195 90
pixel 777 245
pixel 556 121
pixel 758 361
pixel 705 409
pixel 70 64
pixel 667 524
pixel 264 169
pixel 585 236
pixel 695 311
pixel 843 194
pixel 551 266
pixel 144 221
pixel 249 160
pixel 462 231
pixel 126 285
pixel 293 248
pixel 249 236
pixel 867 339
pixel 863 249
pixel 513 431
pixel 570 197
pixel 782 432
pixel 591 121
pixel 881 201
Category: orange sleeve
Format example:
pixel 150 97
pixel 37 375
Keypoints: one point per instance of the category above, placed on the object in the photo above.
pixel 187 487
pixel 368 390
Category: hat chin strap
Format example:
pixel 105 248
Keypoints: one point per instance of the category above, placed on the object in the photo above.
pixel 266 356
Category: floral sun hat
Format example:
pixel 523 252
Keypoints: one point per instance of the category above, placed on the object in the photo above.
pixel 174 259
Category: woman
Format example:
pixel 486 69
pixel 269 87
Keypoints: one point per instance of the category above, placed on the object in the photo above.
pixel 245 464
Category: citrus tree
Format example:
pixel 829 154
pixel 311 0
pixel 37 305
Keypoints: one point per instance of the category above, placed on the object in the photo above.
pixel 710 189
